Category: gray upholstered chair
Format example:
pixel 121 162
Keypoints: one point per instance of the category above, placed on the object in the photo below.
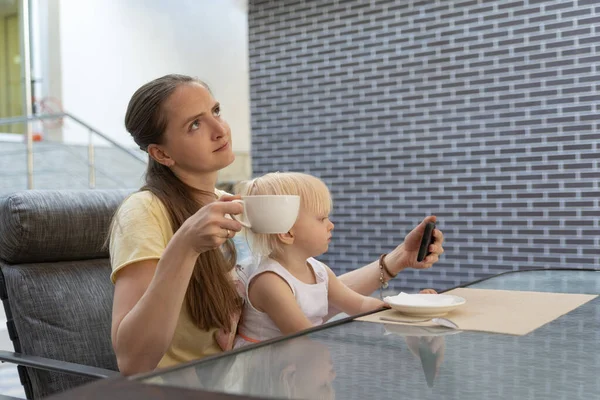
pixel 55 286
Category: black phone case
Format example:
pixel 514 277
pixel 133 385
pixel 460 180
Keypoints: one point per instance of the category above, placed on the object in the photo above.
pixel 426 241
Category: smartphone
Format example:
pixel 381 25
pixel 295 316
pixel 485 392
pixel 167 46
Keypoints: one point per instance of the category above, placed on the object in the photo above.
pixel 426 241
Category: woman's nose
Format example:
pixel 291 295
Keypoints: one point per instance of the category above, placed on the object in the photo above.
pixel 218 127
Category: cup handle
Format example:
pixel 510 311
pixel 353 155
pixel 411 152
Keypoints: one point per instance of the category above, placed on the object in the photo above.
pixel 244 223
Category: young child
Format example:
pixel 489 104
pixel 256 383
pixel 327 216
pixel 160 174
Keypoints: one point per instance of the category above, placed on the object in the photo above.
pixel 290 290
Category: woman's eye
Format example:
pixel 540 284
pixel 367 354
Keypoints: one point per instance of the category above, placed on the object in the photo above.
pixel 217 111
pixel 195 125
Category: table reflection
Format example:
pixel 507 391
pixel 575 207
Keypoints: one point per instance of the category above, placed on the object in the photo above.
pixel 363 360
pixel 430 351
pixel 299 370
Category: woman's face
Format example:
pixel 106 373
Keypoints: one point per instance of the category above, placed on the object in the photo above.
pixel 197 140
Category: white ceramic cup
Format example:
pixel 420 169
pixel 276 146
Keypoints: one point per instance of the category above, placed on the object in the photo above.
pixel 269 213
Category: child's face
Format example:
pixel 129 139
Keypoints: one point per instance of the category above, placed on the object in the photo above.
pixel 312 233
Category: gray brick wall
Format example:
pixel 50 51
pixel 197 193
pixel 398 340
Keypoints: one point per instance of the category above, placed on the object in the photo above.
pixel 484 113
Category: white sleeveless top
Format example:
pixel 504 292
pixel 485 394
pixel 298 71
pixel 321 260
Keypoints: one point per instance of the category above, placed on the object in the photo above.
pixel 256 326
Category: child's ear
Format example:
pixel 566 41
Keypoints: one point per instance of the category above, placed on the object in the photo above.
pixel 286 238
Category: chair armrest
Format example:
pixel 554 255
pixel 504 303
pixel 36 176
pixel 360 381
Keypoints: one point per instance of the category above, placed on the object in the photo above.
pixel 49 364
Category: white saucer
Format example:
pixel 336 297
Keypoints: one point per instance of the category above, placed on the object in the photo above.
pixel 426 305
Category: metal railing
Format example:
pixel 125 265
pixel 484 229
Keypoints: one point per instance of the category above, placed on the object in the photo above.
pixel 91 131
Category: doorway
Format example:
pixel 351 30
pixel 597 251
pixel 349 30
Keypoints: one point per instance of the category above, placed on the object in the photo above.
pixel 11 71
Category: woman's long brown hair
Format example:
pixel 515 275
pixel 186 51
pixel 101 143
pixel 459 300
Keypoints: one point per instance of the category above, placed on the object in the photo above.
pixel 211 297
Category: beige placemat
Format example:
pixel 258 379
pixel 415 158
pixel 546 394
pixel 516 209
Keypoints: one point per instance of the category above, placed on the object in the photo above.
pixel 500 311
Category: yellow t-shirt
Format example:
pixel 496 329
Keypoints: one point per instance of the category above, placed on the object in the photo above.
pixel 141 232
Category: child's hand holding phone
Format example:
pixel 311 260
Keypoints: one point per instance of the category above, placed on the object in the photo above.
pixel 426 241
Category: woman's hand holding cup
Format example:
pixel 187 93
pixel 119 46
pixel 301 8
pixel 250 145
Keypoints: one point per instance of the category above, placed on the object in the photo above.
pixel 211 226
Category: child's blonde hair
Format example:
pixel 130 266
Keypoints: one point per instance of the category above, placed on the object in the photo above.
pixel 314 197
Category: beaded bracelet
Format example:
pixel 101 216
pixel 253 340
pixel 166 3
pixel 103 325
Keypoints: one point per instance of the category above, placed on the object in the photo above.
pixel 382 267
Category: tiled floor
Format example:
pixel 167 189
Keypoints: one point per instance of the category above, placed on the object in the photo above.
pixel 57 166
pixel 9 382
pixel 10 385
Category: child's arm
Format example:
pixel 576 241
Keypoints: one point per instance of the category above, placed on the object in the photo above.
pixel 269 293
pixel 347 300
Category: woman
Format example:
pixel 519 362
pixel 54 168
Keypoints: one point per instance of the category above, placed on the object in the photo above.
pixel 175 298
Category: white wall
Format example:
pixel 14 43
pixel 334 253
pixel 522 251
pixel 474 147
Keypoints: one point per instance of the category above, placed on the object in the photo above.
pixel 109 48
pixel 45 62
pixel 3 80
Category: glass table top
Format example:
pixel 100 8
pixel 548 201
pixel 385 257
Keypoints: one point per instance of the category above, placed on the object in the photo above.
pixel 361 360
